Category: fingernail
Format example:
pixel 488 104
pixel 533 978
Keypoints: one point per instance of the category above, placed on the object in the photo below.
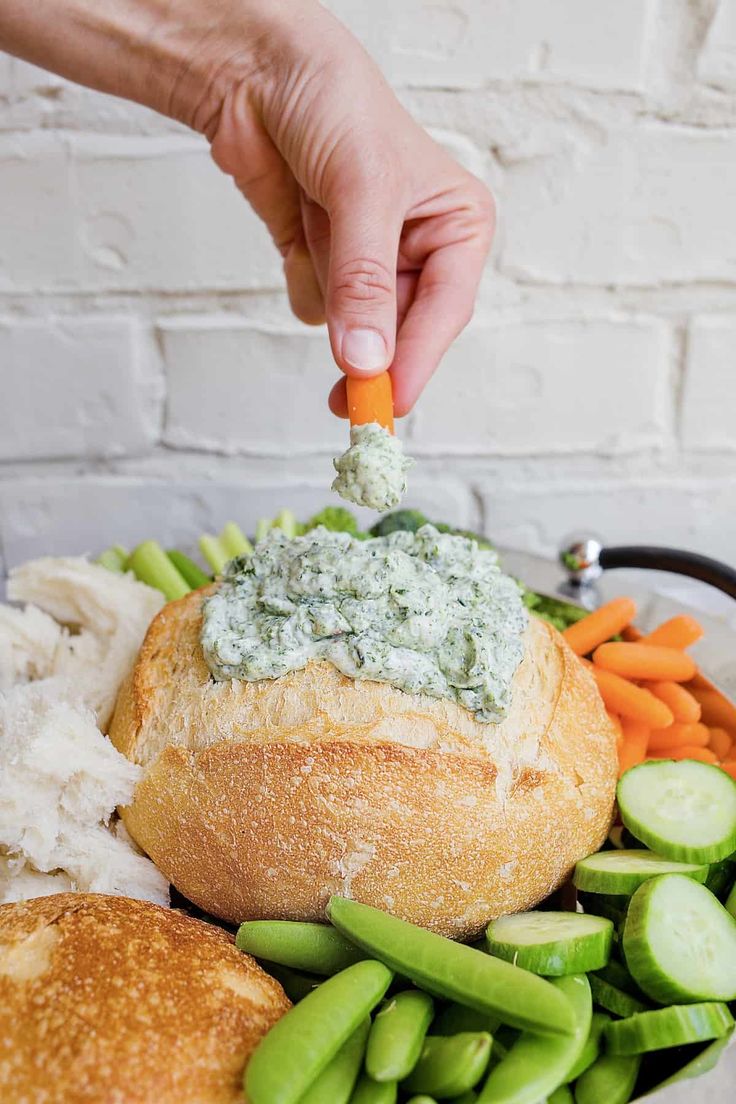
pixel 364 350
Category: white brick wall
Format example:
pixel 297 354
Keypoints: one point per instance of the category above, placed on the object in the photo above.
pixel 152 380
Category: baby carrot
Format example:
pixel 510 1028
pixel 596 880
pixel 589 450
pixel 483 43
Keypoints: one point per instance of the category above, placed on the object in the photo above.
pixel 644 661
pixel 717 710
pixel 678 632
pixel 720 742
pixel 633 747
pixel 602 624
pixel 371 400
pixel 705 755
pixel 679 735
pixel 730 768
pixel 631 634
pixel 684 706
pixel 622 697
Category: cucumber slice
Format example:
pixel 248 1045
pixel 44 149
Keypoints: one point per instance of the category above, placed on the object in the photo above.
pixel 610 1079
pixel 685 810
pixel 616 974
pixel 592 1047
pixel 614 1000
pixel 668 1027
pixel 622 872
pixel 611 905
pixel 552 943
pixel 680 942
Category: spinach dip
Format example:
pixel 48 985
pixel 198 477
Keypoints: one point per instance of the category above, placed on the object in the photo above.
pixel 373 470
pixel 427 612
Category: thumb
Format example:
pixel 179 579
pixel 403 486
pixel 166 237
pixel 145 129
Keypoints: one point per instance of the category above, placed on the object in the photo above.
pixel 360 300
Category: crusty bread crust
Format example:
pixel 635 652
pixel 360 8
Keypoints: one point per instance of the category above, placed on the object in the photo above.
pixel 262 799
pixel 105 1000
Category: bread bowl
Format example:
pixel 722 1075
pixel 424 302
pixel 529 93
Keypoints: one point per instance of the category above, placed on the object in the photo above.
pixel 106 999
pixel 262 798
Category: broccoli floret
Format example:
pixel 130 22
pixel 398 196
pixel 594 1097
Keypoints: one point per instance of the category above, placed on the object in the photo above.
pixel 481 541
pixel 406 520
pixel 337 519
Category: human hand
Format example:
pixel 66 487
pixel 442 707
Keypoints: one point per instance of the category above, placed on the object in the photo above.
pixel 383 235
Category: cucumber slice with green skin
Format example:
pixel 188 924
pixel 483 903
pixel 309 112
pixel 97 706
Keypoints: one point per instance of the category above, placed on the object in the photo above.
pixel 680 942
pixel 450 1064
pixel 453 970
pixel 614 1000
pixel 700 1064
pixel 617 975
pixel 592 1047
pixel 397 1035
pixel 536 1065
pixel 668 1027
pixel 610 1079
pixel 731 902
pixel 622 872
pixel 684 810
pixel 552 943
pixel 720 878
pixel 612 906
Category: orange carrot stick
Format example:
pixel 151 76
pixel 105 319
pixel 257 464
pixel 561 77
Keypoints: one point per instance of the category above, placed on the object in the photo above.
pixel 645 661
pixel 679 735
pixel 631 634
pixel 632 702
pixel 717 710
pixel 678 632
pixel 730 768
pixel 704 755
pixel 634 744
pixel 720 743
pixel 601 625
pixel 684 706
pixel 371 400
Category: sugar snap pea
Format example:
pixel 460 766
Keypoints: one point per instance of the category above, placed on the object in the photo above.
pixel 537 1064
pixel 454 1018
pixel 422 1099
pixel 368 1091
pixel 295 984
pixel 396 1037
pixel 455 971
pixel 337 1080
pixel 450 1064
pixel 592 1047
pixel 316 948
pixel 300 1045
pixel 611 1078
pixel 563 1095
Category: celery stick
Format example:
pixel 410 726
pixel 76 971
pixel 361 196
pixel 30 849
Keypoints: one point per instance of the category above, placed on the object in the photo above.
pixel 263 526
pixel 233 540
pixel 114 559
pixel 191 572
pixel 213 552
pixel 286 521
pixel 151 565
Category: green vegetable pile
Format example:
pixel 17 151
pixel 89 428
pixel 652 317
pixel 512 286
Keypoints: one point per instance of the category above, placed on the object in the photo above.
pixel 593 1007
pixel 175 574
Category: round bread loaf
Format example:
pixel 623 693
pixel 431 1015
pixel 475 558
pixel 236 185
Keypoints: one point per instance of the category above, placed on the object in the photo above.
pixel 262 799
pixel 105 1000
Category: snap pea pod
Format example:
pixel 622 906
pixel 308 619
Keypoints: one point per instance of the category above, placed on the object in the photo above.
pixel 536 1064
pixel 563 1095
pixel 300 1045
pixel 297 986
pixel 421 1099
pixel 368 1091
pixel 450 1064
pixel 592 1047
pixel 316 948
pixel 455 971
pixel 611 1078
pixel 337 1080
pixel 397 1035
pixel 455 1018
pixel 468 1097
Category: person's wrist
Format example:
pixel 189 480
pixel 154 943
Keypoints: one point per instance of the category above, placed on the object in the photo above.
pixel 230 43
